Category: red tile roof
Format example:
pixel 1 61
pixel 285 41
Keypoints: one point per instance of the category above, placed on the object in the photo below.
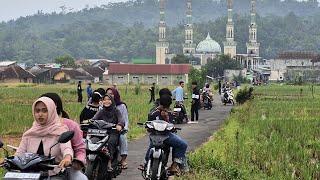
pixel 149 68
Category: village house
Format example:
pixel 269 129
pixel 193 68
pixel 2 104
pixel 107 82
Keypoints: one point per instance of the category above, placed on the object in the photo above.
pixel 292 61
pixel 95 72
pixel 65 75
pixel 102 63
pixel 10 72
pixel 161 74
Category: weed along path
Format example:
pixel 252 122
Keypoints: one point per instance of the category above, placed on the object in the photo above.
pixel 194 134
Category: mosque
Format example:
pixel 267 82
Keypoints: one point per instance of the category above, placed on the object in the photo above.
pixel 209 48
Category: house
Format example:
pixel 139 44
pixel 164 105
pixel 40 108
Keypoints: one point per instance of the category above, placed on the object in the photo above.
pixel 10 72
pixel 41 75
pixel 95 72
pixel 292 61
pixel 102 63
pixel 64 75
pixel 162 74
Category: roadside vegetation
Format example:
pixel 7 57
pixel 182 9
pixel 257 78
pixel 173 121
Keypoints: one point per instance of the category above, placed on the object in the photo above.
pixel 276 135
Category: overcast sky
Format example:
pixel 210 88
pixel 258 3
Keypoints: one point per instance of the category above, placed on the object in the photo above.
pixel 12 9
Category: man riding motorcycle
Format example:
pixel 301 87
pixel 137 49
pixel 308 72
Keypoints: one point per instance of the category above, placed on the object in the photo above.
pixel 162 112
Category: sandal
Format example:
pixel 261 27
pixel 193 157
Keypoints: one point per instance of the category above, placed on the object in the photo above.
pixel 141 167
pixel 124 166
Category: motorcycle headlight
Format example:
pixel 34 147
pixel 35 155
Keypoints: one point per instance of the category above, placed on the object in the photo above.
pixel 169 128
pixel 93 147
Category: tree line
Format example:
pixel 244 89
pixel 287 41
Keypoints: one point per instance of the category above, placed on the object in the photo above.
pixel 89 34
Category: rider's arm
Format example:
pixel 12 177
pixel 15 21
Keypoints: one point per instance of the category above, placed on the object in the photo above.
pixel 121 121
pixel 98 115
pixel 67 153
pixel 22 147
pixel 124 112
pixel 77 143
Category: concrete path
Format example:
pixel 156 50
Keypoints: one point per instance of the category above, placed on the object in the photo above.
pixel 194 134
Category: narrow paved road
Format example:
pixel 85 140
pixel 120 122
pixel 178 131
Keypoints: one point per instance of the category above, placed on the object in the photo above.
pixel 194 134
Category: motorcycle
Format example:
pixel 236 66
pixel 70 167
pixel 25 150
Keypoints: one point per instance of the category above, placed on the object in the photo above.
pixel 178 115
pixel 178 112
pixel 32 166
pixel 97 137
pixel 227 97
pixel 155 168
pixel 206 99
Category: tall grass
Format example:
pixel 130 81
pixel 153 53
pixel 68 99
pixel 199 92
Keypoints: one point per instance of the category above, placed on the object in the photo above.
pixel 274 136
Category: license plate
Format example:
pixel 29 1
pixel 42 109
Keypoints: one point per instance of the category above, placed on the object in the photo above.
pixel 17 175
pixel 97 132
pixel 177 109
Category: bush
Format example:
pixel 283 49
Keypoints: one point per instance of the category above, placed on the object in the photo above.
pixel 137 89
pixel 244 94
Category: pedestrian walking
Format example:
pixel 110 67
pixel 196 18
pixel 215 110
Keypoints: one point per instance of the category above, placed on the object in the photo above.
pixel 219 87
pixel 152 95
pixel 79 90
pixel 89 91
pixel 195 102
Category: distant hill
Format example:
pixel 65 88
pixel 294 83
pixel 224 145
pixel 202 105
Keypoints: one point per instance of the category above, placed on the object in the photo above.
pixel 123 31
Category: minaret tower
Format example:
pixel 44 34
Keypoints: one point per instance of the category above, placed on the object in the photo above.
pixel 253 45
pixel 162 46
pixel 230 46
pixel 188 46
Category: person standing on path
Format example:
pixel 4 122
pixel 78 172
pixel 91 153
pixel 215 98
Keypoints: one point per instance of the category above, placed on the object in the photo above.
pixel 195 102
pixel 152 95
pixel 79 90
pixel 89 91
pixel 219 87
pixel 178 94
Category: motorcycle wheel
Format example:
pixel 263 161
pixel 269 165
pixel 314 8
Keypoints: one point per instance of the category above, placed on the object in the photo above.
pixel 232 102
pixel 97 171
pixel 92 169
pixel 154 169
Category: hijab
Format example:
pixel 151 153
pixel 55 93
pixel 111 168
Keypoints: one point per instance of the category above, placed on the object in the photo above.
pixel 53 125
pixel 117 97
pixel 57 100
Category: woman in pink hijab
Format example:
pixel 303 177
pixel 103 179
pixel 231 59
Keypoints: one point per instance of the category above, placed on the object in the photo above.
pixel 45 132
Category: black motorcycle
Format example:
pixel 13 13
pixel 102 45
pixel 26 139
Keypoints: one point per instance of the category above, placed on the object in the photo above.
pixel 32 166
pixel 178 115
pixel 97 137
pixel 206 99
pixel 155 169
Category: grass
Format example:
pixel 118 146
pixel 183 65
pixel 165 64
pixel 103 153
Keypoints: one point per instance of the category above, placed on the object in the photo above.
pixel 274 136
pixel 16 101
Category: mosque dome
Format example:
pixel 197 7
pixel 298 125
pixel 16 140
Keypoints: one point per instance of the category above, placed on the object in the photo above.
pixel 208 46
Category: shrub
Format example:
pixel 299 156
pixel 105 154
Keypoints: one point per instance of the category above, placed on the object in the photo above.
pixel 137 89
pixel 244 94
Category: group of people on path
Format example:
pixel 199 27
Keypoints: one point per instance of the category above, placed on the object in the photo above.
pixel 179 96
pixel 51 120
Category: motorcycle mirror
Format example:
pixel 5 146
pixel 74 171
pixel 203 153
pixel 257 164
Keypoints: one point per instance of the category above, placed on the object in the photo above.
pixel 66 136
